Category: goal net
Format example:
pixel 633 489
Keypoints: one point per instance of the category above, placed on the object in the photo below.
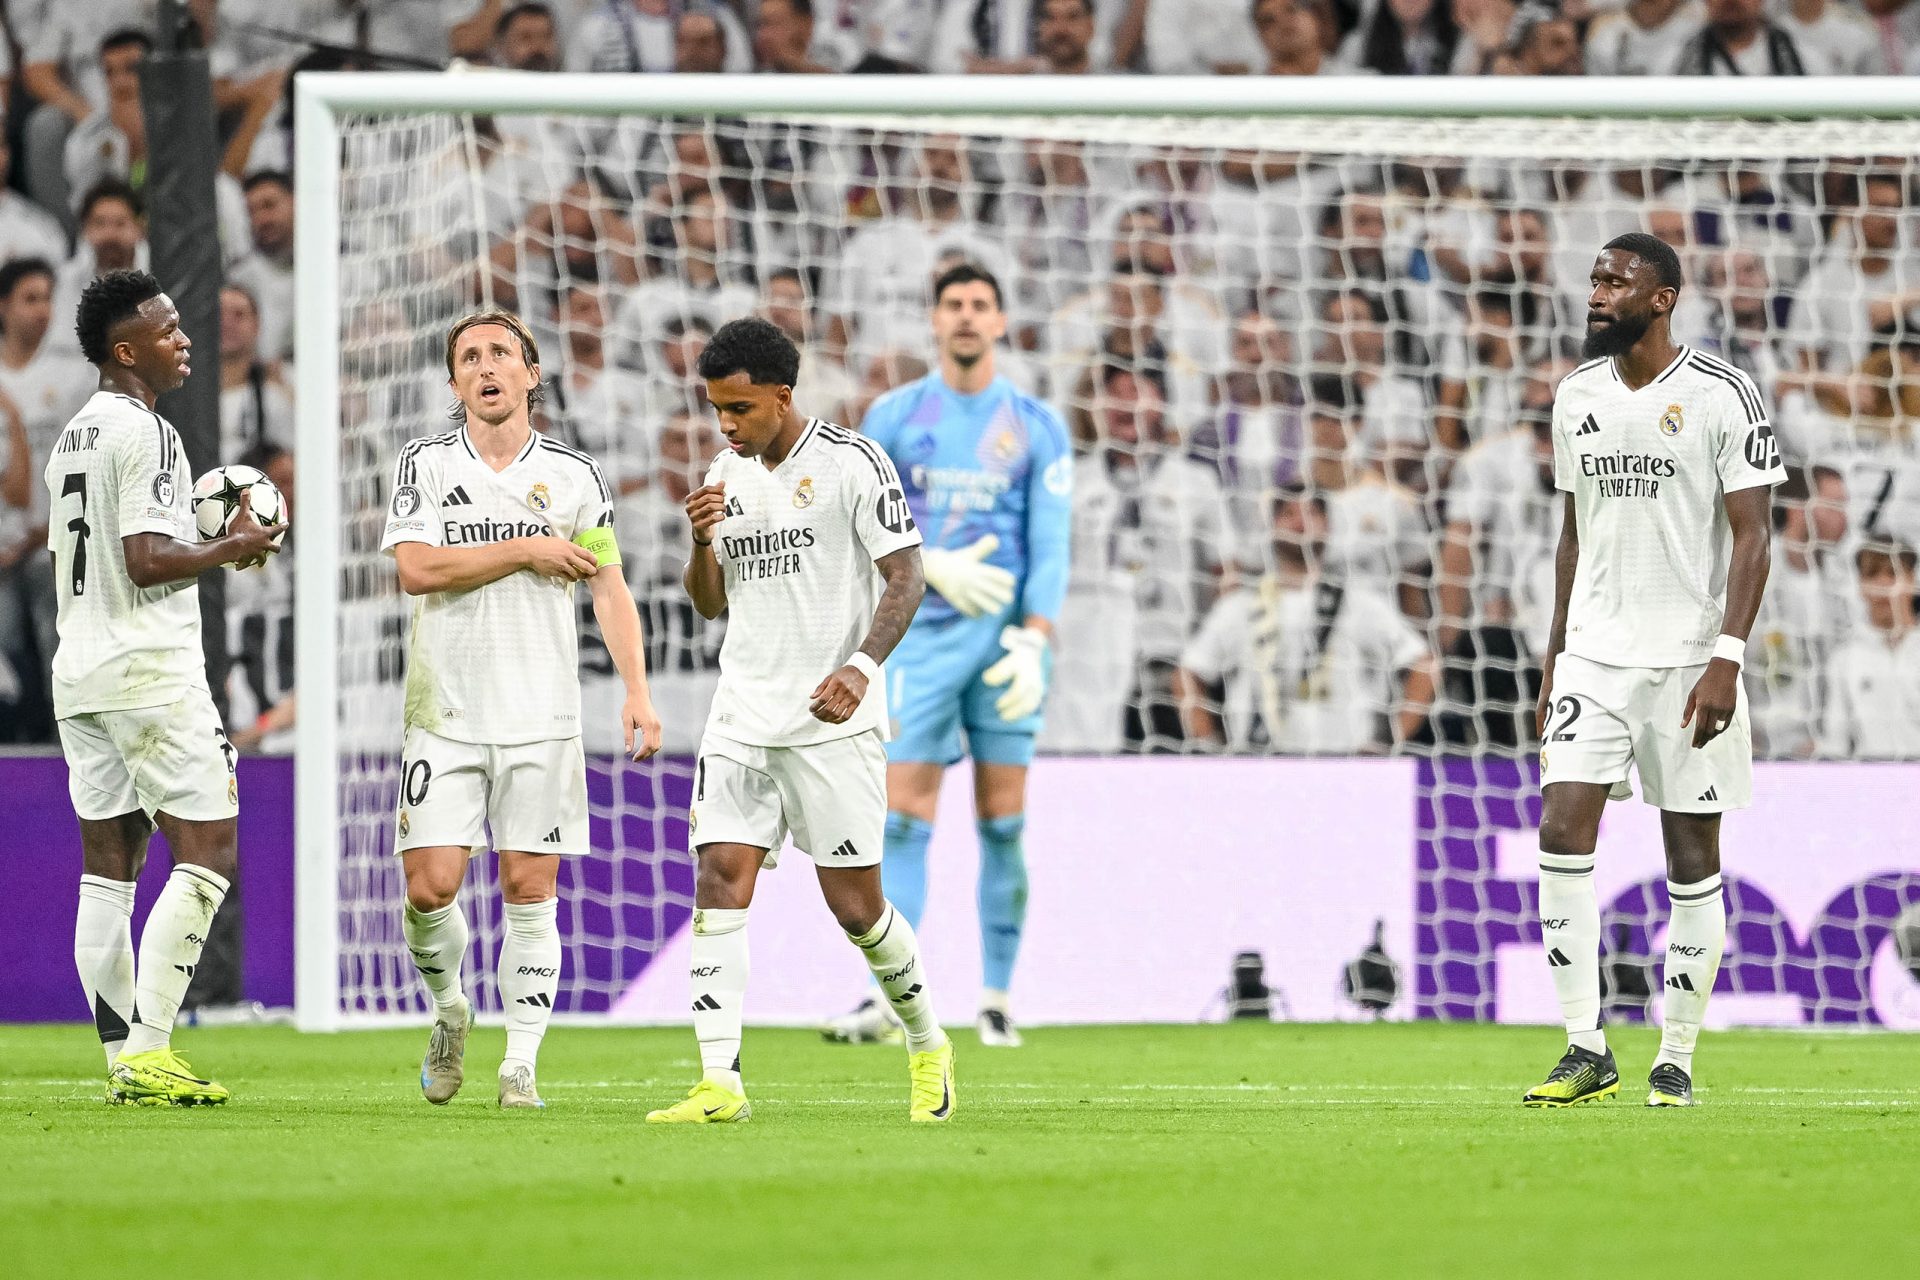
pixel 1306 360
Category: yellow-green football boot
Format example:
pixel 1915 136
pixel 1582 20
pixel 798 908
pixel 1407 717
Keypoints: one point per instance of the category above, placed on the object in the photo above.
pixel 932 1076
pixel 162 1078
pixel 1580 1076
pixel 708 1102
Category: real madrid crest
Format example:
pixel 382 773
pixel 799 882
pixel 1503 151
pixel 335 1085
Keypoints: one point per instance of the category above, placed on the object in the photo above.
pixel 803 496
pixel 1671 421
pixel 538 498
pixel 405 826
pixel 1005 446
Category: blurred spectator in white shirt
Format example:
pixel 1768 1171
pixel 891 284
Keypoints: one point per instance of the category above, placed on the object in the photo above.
pixel 1003 36
pixel 1868 283
pixel 26 229
pixel 256 394
pixel 1806 611
pixel 645 35
pixel 113 237
pixel 267 271
pixel 1835 32
pixel 1638 38
pixel 826 388
pixel 1303 663
pixel 1873 694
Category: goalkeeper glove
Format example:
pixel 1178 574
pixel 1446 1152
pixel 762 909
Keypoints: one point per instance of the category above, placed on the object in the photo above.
pixel 966 580
pixel 1022 670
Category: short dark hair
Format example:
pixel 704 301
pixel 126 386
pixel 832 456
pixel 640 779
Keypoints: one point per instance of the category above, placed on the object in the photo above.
pixel 110 300
pixel 109 189
pixel 18 269
pixel 680 326
pixel 261 177
pixel 126 36
pixel 1652 250
pixel 801 8
pixel 516 12
pixel 967 273
pixel 755 347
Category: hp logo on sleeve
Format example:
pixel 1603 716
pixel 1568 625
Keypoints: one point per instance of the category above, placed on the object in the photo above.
pixel 893 512
pixel 1763 451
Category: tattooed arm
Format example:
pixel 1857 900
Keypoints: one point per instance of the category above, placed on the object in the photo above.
pixel 838 696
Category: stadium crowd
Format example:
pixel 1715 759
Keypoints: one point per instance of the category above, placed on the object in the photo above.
pixel 1311 394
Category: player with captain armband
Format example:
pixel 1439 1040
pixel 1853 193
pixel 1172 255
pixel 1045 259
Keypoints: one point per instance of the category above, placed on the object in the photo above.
pixel 490 525
pixel 988 474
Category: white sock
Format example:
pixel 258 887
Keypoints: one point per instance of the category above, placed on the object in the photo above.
pixel 893 953
pixel 169 949
pixel 103 953
pixel 438 941
pixel 718 965
pixel 1570 930
pixel 529 977
pixel 1696 935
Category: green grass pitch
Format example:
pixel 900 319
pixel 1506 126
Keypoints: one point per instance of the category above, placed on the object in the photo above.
pixel 1225 1151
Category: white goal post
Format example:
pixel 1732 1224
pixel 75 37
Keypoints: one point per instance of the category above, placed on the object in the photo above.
pixel 1582 118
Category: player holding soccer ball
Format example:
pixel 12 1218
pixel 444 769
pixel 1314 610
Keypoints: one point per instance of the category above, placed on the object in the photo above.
pixel 490 525
pixel 143 743
pixel 989 476
pixel 1667 462
pixel 802 535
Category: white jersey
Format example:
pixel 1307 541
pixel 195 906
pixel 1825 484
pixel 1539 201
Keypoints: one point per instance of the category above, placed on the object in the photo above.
pixel 798 547
pixel 1648 470
pixel 497 665
pixel 117 470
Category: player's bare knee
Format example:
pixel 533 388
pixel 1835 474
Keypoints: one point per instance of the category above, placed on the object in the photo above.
pixel 1567 835
pixel 529 877
pixel 723 879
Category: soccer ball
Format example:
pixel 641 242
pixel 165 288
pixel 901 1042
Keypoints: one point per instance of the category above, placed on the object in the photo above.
pixel 216 500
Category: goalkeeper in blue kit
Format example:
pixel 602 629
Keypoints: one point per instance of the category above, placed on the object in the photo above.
pixel 988 473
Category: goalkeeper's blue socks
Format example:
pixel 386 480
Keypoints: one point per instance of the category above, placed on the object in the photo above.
pixel 904 871
pixel 1003 898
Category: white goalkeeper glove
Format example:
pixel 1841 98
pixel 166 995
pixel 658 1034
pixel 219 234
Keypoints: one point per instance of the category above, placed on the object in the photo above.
pixel 965 579
pixel 1022 670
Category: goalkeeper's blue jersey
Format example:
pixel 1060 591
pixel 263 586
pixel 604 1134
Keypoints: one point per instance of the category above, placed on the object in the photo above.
pixel 994 463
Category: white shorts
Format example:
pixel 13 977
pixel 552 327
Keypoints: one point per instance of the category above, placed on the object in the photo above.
pixel 532 794
pixel 1607 718
pixel 173 759
pixel 831 796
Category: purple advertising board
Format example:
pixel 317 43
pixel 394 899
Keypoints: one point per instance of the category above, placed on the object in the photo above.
pixel 1148 877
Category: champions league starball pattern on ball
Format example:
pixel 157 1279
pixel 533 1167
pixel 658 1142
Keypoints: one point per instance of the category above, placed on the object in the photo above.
pixel 217 494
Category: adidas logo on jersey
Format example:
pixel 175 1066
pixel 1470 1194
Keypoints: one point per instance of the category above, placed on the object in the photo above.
pixel 844 849
pixel 539 1000
pixel 1557 959
pixel 552 837
pixel 1710 794
pixel 1588 427
pixel 705 1004
pixel 1680 982
pixel 458 498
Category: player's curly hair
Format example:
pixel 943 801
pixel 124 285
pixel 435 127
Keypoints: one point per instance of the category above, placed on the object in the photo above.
pixel 754 346
pixel 110 300
pixel 1653 251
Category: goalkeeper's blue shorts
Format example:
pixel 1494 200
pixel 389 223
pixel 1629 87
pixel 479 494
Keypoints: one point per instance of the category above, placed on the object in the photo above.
pixel 941 709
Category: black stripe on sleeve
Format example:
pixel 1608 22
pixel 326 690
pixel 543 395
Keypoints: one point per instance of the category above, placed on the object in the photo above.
pixel 1749 394
pixel 593 468
pixel 1749 405
pixel 865 447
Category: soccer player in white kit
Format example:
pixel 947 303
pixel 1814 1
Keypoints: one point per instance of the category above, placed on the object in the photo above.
pixel 143 743
pixel 1668 464
pixel 490 526
pixel 802 535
